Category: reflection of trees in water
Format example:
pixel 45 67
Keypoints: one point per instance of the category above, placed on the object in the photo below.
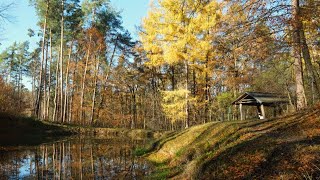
pixel 10 167
pixel 77 159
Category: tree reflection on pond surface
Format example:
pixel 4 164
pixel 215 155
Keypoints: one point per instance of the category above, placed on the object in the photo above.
pixel 76 158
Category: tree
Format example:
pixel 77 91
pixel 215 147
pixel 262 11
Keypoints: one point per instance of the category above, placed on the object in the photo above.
pixel 174 105
pixel 175 34
pixel 14 61
pixel 297 28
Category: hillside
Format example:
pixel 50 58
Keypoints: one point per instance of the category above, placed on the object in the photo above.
pixel 282 148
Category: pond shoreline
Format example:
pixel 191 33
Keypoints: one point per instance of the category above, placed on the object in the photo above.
pixel 16 131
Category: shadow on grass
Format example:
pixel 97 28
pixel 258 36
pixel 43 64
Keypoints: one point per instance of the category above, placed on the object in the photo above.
pixel 282 152
pixel 262 156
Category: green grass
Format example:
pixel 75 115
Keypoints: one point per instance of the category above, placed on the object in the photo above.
pixel 140 151
pixel 287 147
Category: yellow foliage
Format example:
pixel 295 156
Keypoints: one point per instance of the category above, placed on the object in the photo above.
pixel 174 104
pixel 178 31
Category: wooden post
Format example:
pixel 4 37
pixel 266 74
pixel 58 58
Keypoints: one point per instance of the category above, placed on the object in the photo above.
pixel 262 111
pixel 240 108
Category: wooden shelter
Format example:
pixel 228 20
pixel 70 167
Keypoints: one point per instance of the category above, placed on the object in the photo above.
pixel 260 100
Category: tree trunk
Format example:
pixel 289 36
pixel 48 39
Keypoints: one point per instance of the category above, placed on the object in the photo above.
pixel 55 106
pixel 67 83
pixel 45 84
pixel 84 81
pixel 133 107
pixel 187 95
pixel 61 61
pixel 300 93
pixel 72 91
pixel 96 70
pixel 173 78
pixel 307 58
pixel 49 81
pixel 38 101
pixel 206 93
pixel 20 83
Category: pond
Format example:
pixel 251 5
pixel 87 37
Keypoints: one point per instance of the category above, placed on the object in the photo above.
pixel 75 158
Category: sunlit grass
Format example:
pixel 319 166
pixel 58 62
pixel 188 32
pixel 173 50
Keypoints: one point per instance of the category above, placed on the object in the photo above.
pixel 245 149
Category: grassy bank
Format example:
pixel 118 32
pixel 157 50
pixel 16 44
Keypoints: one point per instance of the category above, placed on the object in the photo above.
pixel 16 130
pixel 116 132
pixel 282 148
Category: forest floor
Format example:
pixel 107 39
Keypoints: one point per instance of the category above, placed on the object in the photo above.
pixel 287 147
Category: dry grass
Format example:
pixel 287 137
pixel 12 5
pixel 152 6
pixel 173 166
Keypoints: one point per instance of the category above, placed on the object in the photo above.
pixel 283 148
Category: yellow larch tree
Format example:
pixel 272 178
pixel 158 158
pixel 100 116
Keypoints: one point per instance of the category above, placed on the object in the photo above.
pixel 176 32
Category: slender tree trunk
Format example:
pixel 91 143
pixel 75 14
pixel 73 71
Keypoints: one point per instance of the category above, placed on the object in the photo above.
pixel 84 81
pixel 67 83
pixel 133 107
pixel 72 91
pixel 38 101
pixel 187 95
pixel 20 83
pixel 49 81
pixel 33 94
pixel 301 101
pixel 96 71
pixel 61 61
pixel 206 92
pixel 45 84
pixel 173 84
pixel 55 107
pixel 194 89
pixel 71 106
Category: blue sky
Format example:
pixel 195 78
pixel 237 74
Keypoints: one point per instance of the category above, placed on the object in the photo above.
pixel 24 17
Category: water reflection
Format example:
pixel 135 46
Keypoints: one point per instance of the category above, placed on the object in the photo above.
pixel 77 158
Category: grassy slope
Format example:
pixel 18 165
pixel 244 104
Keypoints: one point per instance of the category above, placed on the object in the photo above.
pixel 27 131
pixel 283 148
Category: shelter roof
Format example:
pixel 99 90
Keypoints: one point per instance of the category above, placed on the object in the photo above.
pixel 258 98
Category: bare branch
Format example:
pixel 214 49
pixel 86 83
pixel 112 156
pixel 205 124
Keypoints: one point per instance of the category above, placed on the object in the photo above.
pixel 4 11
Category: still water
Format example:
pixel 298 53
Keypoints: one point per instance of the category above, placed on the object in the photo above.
pixel 75 158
